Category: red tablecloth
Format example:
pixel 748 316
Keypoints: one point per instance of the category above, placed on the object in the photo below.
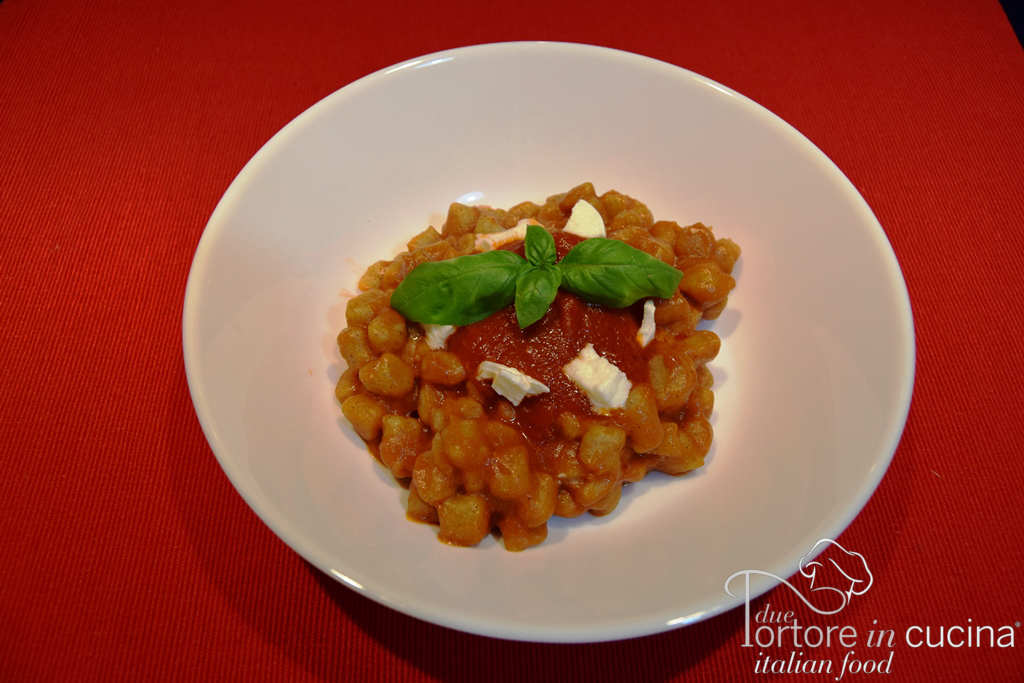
pixel 125 554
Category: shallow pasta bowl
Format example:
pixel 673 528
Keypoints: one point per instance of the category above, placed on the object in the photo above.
pixel 809 405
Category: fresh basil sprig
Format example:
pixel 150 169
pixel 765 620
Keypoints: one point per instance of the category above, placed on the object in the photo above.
pixel 539 246
pixel 459 291
pixel 469 288
pixel 538 282
pixel 612 273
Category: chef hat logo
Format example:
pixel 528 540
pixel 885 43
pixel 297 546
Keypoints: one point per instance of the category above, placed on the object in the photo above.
pixel 847 570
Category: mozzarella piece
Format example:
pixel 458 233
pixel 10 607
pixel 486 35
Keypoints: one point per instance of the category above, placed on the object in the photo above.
pixel 647 327
pixel 437 335
pixel 493 240
pixel 509 382
pixel 585 221
pixel 604 384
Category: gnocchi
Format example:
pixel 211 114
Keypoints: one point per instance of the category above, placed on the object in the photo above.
pixel 478 464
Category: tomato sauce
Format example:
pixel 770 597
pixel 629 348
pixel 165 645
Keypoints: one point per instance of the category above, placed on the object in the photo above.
pixel 543 349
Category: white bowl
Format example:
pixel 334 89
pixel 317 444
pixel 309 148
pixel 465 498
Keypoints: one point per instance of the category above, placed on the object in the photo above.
pixel 812 386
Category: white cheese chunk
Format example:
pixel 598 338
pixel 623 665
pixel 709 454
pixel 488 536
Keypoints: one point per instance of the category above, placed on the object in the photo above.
pixel 647 327
pixel 437 335
pixel 585 221
pixel 604 384
pixel 493 240
pixel 509 382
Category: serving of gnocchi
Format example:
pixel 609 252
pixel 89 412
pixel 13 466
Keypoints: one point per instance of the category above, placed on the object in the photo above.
pixel 497 420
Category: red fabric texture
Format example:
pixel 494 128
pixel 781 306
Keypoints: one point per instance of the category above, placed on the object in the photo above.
pixel 125 554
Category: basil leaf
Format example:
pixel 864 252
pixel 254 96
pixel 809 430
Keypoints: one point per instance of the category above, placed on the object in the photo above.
pixel 539 246
pixel 459 291
pixel 535 290
pixel 610 272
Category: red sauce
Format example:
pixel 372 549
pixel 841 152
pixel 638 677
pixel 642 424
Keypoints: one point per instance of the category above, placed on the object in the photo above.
pixel 543 349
